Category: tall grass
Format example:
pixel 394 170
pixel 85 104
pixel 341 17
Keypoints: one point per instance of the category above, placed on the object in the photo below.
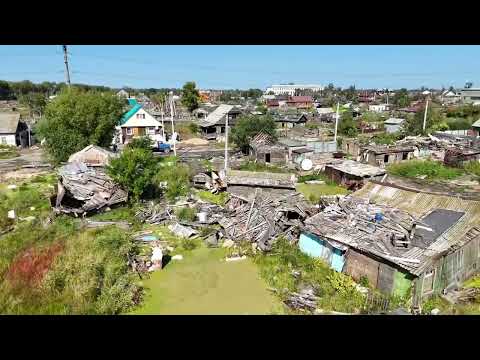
pixel 260 167
pixel 432 170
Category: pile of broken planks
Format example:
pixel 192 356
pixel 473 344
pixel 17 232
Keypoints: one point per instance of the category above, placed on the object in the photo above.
pixel 82 189
pixel 264 218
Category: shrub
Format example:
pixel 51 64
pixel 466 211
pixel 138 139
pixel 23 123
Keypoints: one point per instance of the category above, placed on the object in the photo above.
pixel 176 176
pixel 188 244
pixel 7 151
pixel 364 281
pixel 143 142
pixel 218 199
pixel 254 166
pixel 193 127
pixel 134 170
pixel 186 213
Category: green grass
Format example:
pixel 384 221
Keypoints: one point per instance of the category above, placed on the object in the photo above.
pixel 260 167
pixel 473 167
pixel 313 192
pixel 218 199
pixel 433 170
pixel 186 213
pixel 8 152
pixel 203 283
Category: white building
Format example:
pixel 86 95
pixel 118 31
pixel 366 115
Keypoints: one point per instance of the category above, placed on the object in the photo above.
pixel 291 89
pixel 379 108
pixel 9 123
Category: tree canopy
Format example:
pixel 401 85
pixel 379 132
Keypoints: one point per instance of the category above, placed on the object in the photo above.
pixel 347 125
pixel 248 126
pixel 190 96
pixel 436 121
pixel 401 98
pixel 79 118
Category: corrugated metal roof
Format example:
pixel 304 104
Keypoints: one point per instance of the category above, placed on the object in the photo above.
pixel 357 169
pixel 421 204
pixel 9 122
pixel 215 116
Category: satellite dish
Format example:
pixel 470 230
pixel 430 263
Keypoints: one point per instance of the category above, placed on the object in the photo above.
pixel 307 164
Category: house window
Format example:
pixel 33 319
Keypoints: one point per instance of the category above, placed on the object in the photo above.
pixel 151 130
pixel 4 140
pixel 129 131
pixel 140 116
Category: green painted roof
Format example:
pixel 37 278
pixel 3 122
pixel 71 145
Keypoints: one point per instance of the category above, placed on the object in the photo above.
pixel 132 102
pixel 129 113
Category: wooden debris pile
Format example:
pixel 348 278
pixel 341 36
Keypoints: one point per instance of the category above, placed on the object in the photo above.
pixel 214 182
pixel 303 300
pixel 82 189
pixel 154 214
pixel 264 218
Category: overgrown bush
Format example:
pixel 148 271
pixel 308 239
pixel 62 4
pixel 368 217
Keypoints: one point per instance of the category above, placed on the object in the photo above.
pixel 186 213
pixel 176 176
pixel 189 244
pixel 135 170
pixel 430 169
pixel 218 199
pixel 142 142
pixel 194 128
pixel 7 151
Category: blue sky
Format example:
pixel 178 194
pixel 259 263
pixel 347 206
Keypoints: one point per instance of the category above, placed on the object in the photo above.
pixel 235 66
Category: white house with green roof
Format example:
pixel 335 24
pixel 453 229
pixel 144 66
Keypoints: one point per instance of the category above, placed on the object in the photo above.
pixel 138 122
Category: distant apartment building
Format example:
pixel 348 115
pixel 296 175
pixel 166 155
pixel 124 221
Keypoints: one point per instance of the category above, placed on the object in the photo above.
pixel 291 89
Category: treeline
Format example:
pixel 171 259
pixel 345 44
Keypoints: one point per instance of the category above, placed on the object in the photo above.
pixel 228 95
pixel 13 90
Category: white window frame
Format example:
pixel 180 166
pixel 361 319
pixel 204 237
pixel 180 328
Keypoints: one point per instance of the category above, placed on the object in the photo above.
pixel 150 130
pixel 3 140
pixel 140 116
pixel 129 131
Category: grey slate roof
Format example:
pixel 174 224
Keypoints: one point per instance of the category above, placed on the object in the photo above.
pixel 9 122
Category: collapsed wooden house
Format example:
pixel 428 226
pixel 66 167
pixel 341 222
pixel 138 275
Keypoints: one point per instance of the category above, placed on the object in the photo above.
pixel 352 174
pixel 458 157
pixel 82 189
pixel 404 242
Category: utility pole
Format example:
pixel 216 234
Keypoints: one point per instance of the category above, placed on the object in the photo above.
pixel 173 128
pixel 336 122
pixel 162 113
pixel 425 116
pixel 67 72
pixel 226 143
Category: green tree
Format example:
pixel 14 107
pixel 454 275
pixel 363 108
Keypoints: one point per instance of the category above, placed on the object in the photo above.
pixel 436 121
pixel 76 119
pixel 134 169
pixel 248 126
pixel 175 175
pixel 190 96
pixel 6 92
pixel 347 125
pixel 401 98
pixel 35 101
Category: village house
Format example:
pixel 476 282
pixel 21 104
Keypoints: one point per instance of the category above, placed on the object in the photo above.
pixel 272 103
pixel 393 125
pixel 450 97
pixel 291 89
pixel 404 242
pixel 264 149
pixel 213 126
pixel 200 113
pixel 326 114
pixel 380 155
pixel 123 94
pixel 290 121
pixel 352 174
pixel 138 122
pixel 13 131
pixel 300 102
pixel 470 95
